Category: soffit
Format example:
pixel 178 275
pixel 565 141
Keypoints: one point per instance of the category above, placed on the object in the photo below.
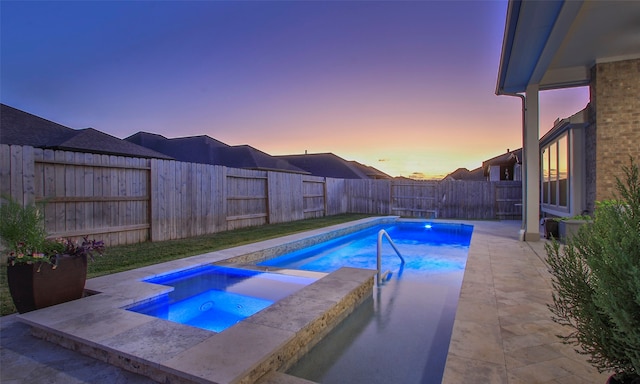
pixel 555 43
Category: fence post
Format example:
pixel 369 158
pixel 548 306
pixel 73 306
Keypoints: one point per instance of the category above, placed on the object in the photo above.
pixel 153 188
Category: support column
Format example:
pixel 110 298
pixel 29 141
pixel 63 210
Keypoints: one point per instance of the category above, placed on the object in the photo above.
pixel 531 167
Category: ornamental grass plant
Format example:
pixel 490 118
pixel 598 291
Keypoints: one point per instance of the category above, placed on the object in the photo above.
pixel 24 239
pixel 596 283
pixel 22 234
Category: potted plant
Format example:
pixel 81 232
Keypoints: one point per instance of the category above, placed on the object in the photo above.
pixel 596 284
pixel 41 272
pixel 569 226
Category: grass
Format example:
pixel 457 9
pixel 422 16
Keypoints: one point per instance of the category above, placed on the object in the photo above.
pixel 126 257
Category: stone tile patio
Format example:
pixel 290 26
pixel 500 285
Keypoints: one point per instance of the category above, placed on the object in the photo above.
pixel 502 333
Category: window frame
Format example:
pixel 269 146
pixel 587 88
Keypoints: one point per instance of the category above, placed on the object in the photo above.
pixel 554 188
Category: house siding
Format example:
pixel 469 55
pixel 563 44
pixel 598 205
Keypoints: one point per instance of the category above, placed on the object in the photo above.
pixel 614 93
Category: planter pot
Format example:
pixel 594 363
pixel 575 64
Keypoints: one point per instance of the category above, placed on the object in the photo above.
pixel 568 228
pixel 32 289
pixel 550 228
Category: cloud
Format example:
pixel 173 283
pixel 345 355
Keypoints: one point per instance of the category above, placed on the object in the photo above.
pixel 424 176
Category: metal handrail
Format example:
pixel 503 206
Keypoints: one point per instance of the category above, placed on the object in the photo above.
pixel 384 233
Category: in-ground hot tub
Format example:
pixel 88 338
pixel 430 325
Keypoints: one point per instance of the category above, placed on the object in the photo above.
pixel 215 298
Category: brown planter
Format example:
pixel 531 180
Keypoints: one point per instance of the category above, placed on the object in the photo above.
pixel 32 289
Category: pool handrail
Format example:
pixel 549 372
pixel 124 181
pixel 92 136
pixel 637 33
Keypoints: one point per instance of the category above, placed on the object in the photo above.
pixel 384 233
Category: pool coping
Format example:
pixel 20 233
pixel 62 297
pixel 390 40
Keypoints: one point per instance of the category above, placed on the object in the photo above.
pixel 264 344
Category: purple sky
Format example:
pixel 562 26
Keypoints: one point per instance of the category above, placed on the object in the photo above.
pixel 404 86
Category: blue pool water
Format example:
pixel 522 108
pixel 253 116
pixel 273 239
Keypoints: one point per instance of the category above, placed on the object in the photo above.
pixel 402 335
pixel 426 247
pixel 215 297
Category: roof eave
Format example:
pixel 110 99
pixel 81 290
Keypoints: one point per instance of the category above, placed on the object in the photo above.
pixel 513 11
pixel 534 31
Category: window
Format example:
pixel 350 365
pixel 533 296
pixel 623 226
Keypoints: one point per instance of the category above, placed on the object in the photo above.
pixel 545 176
pixel 563 171
pixel 555 173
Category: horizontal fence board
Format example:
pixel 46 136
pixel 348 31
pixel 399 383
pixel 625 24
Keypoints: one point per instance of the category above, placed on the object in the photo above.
pixel 90 163
pixel 90 199
pixel 96 231
pixel 243 217
pixel 246 197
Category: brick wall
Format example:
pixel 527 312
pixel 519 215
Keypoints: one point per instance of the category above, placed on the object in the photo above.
pixel 590 159
pixel 615 94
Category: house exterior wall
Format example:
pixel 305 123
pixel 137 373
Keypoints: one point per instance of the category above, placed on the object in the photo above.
pixel 615 90
pixel 500 172
pixel 494 173
pixel 566 195
pixel 590 161
pixel 517 172
pixel 577 173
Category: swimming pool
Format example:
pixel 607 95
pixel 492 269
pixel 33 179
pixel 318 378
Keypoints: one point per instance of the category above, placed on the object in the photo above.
pixel 426 247
pixel 402 335
pixel 215 298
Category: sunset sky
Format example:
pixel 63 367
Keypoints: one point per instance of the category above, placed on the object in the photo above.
pixel 404 86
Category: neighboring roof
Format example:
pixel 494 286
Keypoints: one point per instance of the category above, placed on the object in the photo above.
pixel 476 174
pixel 330 165
pixel 245 156
pixel 21 128
pixel 192 149
pixel 467 175
pixel 371 172
pixel 508 158
pixel 575 121
pixel 206 150
pixel 555 43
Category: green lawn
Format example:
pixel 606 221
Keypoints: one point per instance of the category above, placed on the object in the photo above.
pixel 126 257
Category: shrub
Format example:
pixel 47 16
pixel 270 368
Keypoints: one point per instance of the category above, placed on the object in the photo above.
pixel 596 282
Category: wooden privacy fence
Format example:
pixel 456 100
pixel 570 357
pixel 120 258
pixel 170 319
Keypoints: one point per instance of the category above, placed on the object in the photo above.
pixel 84 194
pixel 126 200
pixel 482 200
pixel 479 199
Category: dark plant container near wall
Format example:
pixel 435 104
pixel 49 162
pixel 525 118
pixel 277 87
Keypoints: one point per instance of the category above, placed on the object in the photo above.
pixel 32 289
pixel 550 228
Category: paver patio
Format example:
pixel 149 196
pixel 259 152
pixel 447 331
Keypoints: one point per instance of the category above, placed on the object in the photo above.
pixel 503 331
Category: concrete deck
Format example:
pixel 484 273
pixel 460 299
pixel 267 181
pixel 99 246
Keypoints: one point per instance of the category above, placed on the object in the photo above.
pixel 502 333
